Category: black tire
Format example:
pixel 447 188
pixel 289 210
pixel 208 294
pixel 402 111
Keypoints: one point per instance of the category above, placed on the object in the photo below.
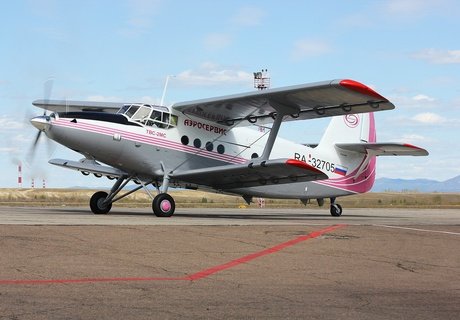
pixel 96 203
pixel 163 205
pixel 336 210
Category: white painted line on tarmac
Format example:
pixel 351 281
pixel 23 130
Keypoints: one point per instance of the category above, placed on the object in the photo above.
pixel 416 229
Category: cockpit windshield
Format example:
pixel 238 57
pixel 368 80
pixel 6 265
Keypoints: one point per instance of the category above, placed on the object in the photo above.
pixel 148 115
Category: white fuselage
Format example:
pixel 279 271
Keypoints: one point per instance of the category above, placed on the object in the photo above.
pixel 192 144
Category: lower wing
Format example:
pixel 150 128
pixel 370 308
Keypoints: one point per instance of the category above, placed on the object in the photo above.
pixel 277 171
pixel 89 166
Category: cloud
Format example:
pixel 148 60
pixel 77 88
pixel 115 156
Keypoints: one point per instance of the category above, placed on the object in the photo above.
pixel 419 100
pixel 7 123
pixel 217 41
pixel 306 48
pixel 212 74
pixel 139 17
pixel 395 11
pixel 429 118
pixel 413 139
pixel 437 56
pixel 249 16
pixel 150 100
pixel 8 150
pixel 410 7
pixel 422 97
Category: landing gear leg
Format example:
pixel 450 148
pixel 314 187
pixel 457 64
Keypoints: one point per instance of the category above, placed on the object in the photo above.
pixel 336 209
pixel 163 204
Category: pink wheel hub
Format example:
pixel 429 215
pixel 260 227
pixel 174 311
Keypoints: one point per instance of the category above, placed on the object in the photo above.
pixel 165 205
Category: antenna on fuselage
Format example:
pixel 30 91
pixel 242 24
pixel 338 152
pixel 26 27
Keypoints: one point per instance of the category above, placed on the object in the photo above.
pixel 164 89
pixel 261 80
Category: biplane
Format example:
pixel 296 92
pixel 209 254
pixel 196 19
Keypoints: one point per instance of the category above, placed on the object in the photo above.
pixel 227 144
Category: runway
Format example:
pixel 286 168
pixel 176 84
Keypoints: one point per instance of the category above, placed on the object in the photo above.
pixel 225 217
pixel 222 263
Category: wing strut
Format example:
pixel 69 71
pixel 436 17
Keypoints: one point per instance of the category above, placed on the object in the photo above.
pixel 272 137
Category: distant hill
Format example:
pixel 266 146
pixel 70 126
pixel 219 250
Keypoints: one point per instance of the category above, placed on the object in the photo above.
pixel 417 185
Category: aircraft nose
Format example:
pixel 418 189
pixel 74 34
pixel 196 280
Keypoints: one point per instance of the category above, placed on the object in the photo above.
pixel 40 122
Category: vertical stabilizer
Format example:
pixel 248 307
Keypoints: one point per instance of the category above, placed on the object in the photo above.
pixel 351 128
pixel 355 171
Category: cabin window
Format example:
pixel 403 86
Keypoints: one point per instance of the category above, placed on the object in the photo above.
pixel 184 140
pixel 221 149
pixel 209 146
pixel 197 143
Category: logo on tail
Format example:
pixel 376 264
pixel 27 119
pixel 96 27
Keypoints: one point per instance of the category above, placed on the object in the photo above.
pixel 351 120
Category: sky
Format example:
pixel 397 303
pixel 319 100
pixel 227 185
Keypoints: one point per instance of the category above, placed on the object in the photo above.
pixel 407 50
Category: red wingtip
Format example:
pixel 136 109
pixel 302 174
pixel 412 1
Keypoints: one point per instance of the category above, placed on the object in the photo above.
pixel 303 165
pixel 411 146
pixel 421 151
pixel 361 88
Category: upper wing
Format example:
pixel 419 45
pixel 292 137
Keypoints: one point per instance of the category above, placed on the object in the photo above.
pixel 71 106
pixel 268 172
pixel 384 149
pixel 307 101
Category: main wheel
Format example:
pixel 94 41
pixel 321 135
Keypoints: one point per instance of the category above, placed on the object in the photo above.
pixel 97 204
pixel 336 210
pixel 163 205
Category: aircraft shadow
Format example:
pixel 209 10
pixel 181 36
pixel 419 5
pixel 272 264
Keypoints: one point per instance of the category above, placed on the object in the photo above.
pixel 233 216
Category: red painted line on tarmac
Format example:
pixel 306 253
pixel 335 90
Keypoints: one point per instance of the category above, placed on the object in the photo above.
pixel 85 280
pixel 193 277
pixel 206 273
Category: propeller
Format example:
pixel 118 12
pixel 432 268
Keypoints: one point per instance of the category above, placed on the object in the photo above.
pixel 40 121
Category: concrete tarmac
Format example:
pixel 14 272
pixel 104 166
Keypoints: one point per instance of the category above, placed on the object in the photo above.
pixel 66 263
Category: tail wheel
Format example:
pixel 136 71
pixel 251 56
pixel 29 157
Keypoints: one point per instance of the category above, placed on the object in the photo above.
pixel 163 205
pixel 97 204
pixel 336 210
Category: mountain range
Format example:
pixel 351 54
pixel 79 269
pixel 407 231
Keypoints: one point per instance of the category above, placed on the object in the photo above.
pixel 416 185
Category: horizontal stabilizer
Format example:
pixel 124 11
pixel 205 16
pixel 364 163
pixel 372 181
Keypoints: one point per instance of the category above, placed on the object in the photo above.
pixel 278 171
pixel 384 149
pixel 89 166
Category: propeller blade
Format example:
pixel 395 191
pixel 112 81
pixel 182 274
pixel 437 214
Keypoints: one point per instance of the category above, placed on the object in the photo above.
pixel 37 137
pixel 33 147
pixel 47 90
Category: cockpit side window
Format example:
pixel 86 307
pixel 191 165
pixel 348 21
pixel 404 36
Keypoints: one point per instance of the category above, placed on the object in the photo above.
pixel 123 109
pixel 149 115
pixel 142 114
pixel 131 111
pixel 173 120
